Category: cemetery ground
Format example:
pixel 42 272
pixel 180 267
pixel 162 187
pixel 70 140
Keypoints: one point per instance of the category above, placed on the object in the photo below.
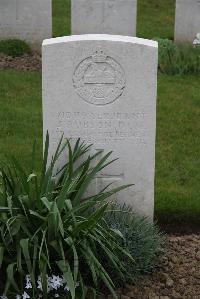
pixel 177 195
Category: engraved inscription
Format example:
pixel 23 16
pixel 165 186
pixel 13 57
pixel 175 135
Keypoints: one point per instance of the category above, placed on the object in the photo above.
pixel 99 79
pixel 101 128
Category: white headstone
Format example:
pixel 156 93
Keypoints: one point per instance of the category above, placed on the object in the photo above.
pixel 104 16
pixel 187 23
pixel 102 88
pixel 28 20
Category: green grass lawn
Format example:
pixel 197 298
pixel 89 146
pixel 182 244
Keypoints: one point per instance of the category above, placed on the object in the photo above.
pixel 178 126
pixel 61 17
pixel 178 145
pixel 156 18
pixel 20 114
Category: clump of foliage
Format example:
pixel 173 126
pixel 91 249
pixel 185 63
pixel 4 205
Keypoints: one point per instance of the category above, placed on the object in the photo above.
pixel 14 47
pixel 48 225
pixel 178 59
pixel 142 239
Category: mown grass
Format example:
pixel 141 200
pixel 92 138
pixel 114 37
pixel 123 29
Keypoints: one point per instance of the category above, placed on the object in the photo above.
pixel 156 18
pixel 20 114
pixel 61 17
pixel 178 138
pixel 178 145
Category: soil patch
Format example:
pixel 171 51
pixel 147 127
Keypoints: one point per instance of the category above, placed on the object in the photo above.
pixel 179 226
pixel 177 275
pixel 23 63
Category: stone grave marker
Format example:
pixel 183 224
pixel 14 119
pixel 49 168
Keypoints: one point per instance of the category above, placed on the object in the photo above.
pixel 187 24
pixel 102 88
pixel 28 20
pixel 104 16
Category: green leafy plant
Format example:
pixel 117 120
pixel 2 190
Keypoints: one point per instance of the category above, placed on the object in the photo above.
pixel 178 58
pixel 14 47
pixel 142 239
pixel 49 225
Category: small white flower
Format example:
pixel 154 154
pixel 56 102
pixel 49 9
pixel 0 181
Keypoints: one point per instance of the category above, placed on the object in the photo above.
pixel 56 282
pixel 39 286
pixel 28 278
pixel 56 296
pixel 39 283
pixel 28 282
pixel 49 283
pixel 25 296
pixel 3 297
pixel 18 297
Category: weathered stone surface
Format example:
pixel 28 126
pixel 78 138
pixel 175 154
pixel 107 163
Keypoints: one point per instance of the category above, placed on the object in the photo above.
pixel 29 20
pixel 187 20
pixel 104 16
pixel 102 88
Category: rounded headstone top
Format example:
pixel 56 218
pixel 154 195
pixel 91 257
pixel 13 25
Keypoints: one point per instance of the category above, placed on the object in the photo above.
pixel 101 37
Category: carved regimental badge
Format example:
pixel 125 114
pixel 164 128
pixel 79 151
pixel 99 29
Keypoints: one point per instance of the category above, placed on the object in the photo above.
pixel 99 79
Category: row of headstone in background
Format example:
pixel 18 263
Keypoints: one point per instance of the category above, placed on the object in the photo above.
pixel 28 20
pixel 31 20
pixel 104 16
pixel 103 89
pixel 187 24
pixel 120 17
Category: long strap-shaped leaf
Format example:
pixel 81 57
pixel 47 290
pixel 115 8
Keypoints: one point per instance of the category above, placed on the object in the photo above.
pixel 24 243
pixel 10 277
pixel 66 270
pixel 2 249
